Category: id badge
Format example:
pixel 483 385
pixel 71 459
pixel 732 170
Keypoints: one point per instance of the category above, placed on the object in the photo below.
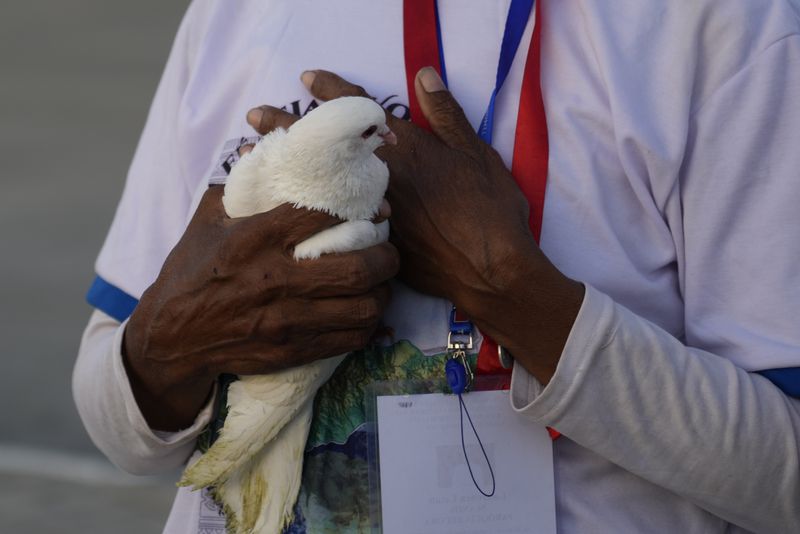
pixel 421 483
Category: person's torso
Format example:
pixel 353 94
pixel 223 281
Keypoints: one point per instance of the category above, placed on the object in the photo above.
pixel 612 215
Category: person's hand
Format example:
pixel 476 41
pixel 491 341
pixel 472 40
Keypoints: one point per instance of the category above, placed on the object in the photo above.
pixel 230 298
pixel 460 224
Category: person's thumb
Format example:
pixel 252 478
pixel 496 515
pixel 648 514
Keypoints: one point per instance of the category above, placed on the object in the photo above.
pixel 443 112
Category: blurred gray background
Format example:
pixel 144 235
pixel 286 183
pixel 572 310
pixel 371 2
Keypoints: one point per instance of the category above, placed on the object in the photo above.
pixel 76 80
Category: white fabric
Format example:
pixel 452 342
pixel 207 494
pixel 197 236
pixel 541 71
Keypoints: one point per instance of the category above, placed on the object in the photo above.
pixel 682 419
pixel 672 189
pixel 672 181
pixel 109 411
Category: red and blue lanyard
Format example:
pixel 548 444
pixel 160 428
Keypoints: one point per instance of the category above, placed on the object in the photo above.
pixel 423 47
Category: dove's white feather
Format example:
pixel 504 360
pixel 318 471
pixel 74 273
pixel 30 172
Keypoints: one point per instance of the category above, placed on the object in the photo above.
pixel 320 163
pixel 259 496
pixel 323 162
pixel 258 408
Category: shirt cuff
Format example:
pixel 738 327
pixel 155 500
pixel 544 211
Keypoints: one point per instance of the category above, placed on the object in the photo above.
pixel 134 414
pixel 593 329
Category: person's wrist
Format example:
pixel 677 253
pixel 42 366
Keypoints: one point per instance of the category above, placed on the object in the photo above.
pixel 168 398
pixel 531 311
pixel 549 303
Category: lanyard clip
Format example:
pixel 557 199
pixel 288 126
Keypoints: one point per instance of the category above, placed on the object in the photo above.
pixel 460 334
pixel 459 341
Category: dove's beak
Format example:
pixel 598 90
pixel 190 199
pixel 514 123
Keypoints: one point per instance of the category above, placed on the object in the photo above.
pixel 389 138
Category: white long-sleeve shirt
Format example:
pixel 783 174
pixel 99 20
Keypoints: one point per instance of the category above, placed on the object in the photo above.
pixel 672 193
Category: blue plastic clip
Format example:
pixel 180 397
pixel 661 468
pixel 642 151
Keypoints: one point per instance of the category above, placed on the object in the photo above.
pixel 459 328
pixel 456 375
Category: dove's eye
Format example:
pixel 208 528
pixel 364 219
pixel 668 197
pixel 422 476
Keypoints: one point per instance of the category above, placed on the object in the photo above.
pixel 369 131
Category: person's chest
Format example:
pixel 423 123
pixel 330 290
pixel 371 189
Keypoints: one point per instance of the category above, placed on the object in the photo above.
pixel 597 227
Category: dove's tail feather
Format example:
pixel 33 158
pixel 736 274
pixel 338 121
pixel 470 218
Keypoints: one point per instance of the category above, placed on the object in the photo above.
pixel 259 407
pixel 259 496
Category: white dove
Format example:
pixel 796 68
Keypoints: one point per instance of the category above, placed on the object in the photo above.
pixel 324 162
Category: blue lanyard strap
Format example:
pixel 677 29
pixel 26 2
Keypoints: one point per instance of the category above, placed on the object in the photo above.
pixel 439 42
pixel 518 13
pixel 459 337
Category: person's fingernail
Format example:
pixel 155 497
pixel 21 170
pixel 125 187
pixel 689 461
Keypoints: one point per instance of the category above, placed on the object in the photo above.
pixel 308 78
pixel 254 117
pixel 430 80
pixel 385 209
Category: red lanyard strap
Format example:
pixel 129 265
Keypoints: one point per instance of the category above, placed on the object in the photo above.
pixel 421 47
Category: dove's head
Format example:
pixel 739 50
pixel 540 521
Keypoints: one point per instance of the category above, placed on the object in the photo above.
pixel 355 124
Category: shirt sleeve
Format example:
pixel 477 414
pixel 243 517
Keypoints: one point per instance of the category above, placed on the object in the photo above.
pixel 153 211
pixel 694 415
pixel 109 411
